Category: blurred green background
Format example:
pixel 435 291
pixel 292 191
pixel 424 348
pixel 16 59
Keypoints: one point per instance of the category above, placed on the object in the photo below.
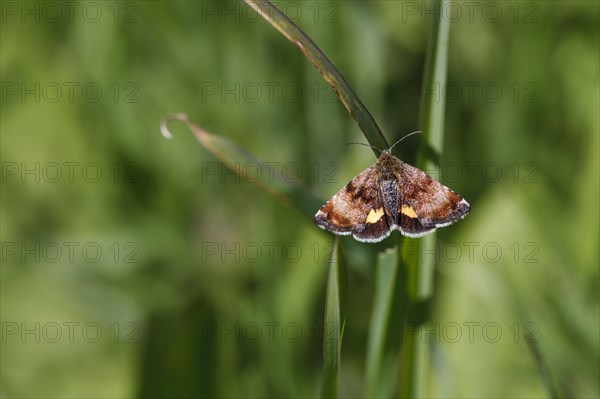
pixel 133 266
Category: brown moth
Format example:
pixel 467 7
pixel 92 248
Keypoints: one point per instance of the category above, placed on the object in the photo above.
pixel 390 195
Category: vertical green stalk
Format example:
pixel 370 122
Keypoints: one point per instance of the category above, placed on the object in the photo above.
pixel 419 266
pixel 335 320
pixel 382 330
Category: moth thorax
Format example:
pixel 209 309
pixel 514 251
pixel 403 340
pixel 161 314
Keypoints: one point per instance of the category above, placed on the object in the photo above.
pixel 389 191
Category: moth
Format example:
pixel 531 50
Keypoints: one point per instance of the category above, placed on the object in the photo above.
pixel 391 195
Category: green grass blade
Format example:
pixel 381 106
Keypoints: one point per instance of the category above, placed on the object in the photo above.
pixel 332 76
pixel 378 379
pixel 420 271
pixel 232 155
pixel 544 369
pixel 335 320
pixel 432 106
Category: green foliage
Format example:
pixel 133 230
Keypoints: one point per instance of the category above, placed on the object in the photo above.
pixel 335 321
pixel 383 332
pixel 180 293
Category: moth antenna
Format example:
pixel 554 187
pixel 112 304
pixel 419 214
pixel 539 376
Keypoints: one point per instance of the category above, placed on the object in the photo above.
pixel 408 135
pixel 366 145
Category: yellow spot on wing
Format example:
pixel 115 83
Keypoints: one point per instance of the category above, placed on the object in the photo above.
pixel 408 211
pixel 374 215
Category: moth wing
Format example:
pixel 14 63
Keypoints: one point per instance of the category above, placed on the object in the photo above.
pixel 357 209
pixel 426 204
